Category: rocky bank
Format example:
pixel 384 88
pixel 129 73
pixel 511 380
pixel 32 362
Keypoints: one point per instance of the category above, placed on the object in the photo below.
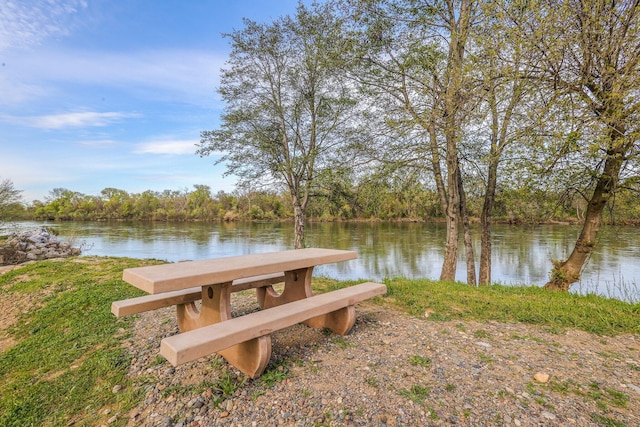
pixel 35 245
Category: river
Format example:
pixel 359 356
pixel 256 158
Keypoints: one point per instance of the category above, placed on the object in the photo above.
pixel 521 254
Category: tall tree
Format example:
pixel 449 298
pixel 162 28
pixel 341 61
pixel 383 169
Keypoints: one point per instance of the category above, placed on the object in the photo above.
pixel 457 18
pixel 415 52
pixel 587 50
pixel 287 109
pixel 507 100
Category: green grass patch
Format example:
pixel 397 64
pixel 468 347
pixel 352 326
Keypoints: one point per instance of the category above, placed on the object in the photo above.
pixel 527 304
pixel 417 360
pixel 67 355
pixel 274 374
pixel 342 342
pixel 606 421
pixel 416 393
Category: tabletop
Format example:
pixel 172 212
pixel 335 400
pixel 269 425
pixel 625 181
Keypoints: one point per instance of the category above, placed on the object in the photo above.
pixel 175 276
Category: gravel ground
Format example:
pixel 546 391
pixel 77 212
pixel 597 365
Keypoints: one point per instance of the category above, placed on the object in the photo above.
pixel 395 370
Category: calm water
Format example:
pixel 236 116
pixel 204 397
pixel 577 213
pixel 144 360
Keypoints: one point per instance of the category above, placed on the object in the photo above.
pixel 521 254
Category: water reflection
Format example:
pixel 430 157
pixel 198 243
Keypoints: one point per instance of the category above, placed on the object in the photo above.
pixel 521 254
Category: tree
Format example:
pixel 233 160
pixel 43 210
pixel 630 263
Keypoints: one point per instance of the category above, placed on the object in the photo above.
pixel 587 51
pixel 287 109
pixel 415 51
pixel 9 198
pixel 116 203
pixel 506 107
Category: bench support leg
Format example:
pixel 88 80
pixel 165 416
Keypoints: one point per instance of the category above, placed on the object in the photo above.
pixel 339 321
pixel 250 357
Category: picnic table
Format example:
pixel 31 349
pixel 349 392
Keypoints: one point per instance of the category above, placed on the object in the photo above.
pixel 243 341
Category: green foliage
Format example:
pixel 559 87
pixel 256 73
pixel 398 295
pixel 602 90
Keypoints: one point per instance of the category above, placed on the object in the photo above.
pixel 338 200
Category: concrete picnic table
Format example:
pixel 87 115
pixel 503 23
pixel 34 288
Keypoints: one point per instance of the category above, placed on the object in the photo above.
pixel 245 342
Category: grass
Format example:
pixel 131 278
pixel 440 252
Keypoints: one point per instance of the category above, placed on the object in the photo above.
pixel 417 360
pixel 67 352
pixel 416 393
pixel 67 357
pixel 526 304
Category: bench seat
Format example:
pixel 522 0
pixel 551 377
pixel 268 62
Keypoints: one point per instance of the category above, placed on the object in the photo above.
pixel 185 296
pixel 192 345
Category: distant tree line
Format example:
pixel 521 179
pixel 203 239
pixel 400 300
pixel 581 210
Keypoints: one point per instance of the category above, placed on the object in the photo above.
pixel 394 200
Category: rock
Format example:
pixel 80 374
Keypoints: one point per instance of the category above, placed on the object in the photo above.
pixel 35 245
pixel 633 387
pixel 116 389
pixel 541 377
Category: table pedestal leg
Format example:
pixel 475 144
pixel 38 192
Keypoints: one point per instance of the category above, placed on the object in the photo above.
pixel 250 357
pixel 216 307
pixel 297 285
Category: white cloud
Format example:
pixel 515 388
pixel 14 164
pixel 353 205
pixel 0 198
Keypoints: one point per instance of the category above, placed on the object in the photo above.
pixel 28 23
pixel 184 76
pixel 69 120
pixel 167 147
pixel 79 120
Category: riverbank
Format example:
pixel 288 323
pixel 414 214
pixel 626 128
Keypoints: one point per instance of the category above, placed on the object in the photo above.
pixel 447 359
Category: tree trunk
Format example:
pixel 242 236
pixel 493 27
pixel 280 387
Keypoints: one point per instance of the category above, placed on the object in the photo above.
pixel 450 261
pixel 435 164
pixel 490 194
pixel 460 26
pixel 485 234
pixel 298 214
pixel 468 243
pixel 564 274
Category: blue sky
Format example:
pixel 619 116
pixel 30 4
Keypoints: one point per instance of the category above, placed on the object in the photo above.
pixel 104 93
